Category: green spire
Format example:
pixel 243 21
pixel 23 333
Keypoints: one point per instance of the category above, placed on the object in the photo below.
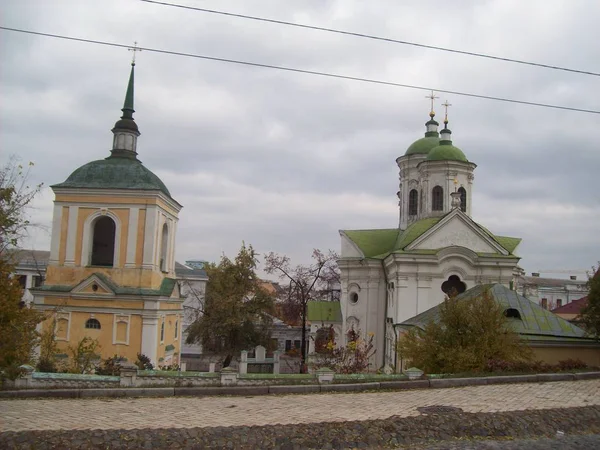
pixel 128 105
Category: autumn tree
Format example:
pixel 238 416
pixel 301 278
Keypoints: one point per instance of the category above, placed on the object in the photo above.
pixel 468 334
pixel 304 283
pixel 590 314
pixel 18 336
pixel 236 312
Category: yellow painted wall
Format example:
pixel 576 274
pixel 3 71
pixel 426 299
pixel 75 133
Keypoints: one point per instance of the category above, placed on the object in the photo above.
pixel 134 277
pixel 91 303
pixel 64 226
pixel 77 332
pixel 169 338
pixel 553 355
pixel 104 199
pixel 139 250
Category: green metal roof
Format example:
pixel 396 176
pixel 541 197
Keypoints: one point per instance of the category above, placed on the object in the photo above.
pixel 446 152
pixel 424 145
pixel 319 311
pixel 378 244
pixel 373 242
pixel 114 173
pixel 165 290
pixel 535 323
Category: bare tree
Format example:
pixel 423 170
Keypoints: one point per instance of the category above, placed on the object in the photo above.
pixel 304 283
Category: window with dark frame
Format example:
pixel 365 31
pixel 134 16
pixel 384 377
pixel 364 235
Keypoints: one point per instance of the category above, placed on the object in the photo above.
pixel 463 199
pixel 93 324
pixel 103 244
pixel 413 202
pixel 437 199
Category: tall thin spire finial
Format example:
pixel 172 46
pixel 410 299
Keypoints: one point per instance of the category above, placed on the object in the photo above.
pixel 432 97
pixel 134 49
pixel 446 105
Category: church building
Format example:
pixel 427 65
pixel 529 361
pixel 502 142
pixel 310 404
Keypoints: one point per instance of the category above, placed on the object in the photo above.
pixel 111 272
pixel 391 275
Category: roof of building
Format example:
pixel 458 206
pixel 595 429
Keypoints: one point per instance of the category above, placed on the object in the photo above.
pixel 114 172
pixel 573 307
pixel 549 282
pixel 183 271
pixel 535 323
pixel 166 287
pixel 446 152
pixel 37 259
pixel 378 244
pixel 423 145
pixel 320 311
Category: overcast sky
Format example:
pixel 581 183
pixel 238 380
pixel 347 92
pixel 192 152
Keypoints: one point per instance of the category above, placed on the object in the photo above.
pixel 283 160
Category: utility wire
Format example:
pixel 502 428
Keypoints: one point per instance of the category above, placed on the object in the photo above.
pixel 304 71
pixel 377 38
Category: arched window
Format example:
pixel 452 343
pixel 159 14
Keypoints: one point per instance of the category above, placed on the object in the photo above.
pixel 92 324
pixel 453 286
pixel 103 244
pixel 162 331
pixel 512 312
pixel 463 199
pixel 163 248
pixel 413 202
pixel 437 199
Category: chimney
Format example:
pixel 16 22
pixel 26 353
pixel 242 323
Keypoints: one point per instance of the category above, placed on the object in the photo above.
pixel 535 274
pixel 573 277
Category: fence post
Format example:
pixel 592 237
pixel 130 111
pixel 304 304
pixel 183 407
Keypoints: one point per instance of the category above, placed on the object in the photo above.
pixel 128 374
pixel 229 377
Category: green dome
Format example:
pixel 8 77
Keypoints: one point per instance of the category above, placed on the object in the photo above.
pixel 114 173
pixel 446 152
pixel 423 145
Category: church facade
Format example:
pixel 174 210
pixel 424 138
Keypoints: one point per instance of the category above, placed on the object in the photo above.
pixel 391 275
pixel 111 272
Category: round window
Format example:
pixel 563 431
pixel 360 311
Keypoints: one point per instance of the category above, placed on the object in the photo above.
pixel 353 297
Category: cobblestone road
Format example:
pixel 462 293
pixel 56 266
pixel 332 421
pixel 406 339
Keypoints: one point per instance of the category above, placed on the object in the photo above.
pixel 189 412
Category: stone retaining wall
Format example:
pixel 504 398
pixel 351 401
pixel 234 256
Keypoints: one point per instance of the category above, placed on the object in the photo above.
pixel 260 387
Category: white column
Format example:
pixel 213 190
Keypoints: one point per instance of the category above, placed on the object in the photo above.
pixel 71 235
pixel 55 240
pixel 149 237
pixel 132 237
pixel 150 337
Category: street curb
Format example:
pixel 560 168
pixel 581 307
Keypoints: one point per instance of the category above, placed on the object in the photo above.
pixel 436 383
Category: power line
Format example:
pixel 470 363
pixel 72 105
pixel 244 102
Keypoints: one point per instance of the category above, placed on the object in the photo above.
pixel 304 71
pixel 377 38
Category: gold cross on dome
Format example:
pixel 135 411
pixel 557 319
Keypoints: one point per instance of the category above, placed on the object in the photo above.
pixel 446 105
pixel 134 49
pixel 432 97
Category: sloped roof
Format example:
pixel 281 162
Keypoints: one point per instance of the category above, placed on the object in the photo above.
pixel 535 323
pixel 183 271
pixel 318 311
pixel 166 287
pixel 378 244
pixel 29 258
pixel 573 307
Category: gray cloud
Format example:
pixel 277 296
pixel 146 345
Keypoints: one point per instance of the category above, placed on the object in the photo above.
pixel 283 160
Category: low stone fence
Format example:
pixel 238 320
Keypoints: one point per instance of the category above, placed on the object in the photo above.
pixel 134 382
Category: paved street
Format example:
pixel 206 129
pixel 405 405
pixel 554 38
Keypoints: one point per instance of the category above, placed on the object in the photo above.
pixel 189 412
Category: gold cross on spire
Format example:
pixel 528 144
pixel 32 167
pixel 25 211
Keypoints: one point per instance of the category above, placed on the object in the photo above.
pixel 446 105
pixel 432 97
pixel 134 49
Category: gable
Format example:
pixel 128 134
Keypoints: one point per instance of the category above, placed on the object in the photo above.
pixel 94 285
pixel 456 231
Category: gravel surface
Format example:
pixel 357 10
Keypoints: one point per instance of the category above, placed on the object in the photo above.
pixel 576 442
pixel 416 432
